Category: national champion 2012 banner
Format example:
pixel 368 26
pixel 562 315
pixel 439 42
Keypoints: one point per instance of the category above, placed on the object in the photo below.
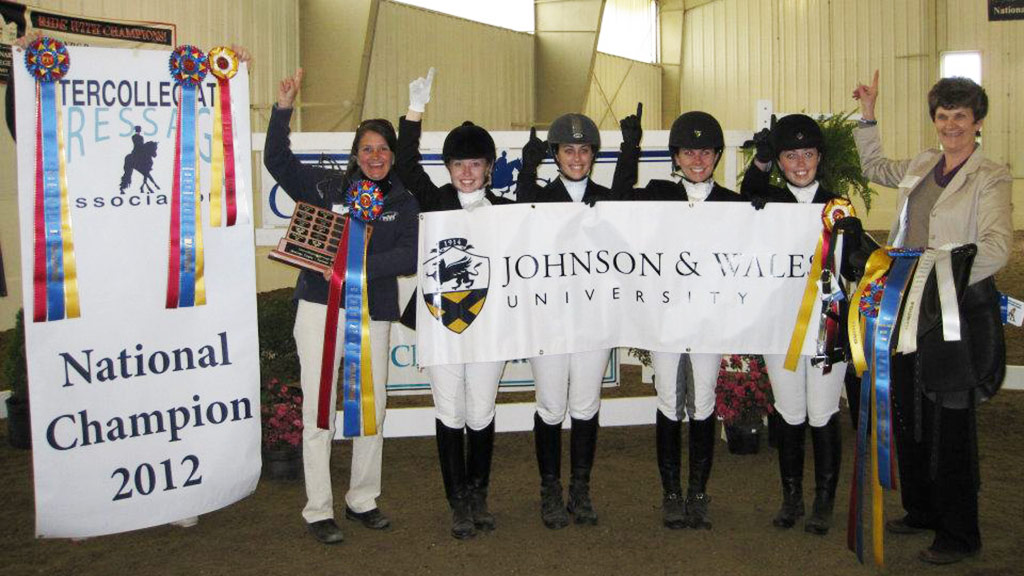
pixel 140 300
pixel 518 281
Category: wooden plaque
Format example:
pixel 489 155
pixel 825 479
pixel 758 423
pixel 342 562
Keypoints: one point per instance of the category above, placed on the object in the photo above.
pixel 312 239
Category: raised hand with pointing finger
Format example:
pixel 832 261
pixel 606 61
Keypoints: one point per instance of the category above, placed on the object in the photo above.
pixel 288 89
pixel 419 91
pixel 867 95
pixel 632 130
pixel 534 152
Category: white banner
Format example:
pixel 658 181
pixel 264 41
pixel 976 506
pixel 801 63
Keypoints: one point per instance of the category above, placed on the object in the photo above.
pixel 405 376
pixel 520 281
pixel 140 415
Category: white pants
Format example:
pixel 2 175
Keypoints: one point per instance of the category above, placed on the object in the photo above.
pixel 367 451
pixel 671 396
pixel 464 394
pixel 805 394
pixel 569 382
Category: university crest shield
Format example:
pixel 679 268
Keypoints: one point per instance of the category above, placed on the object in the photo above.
pixel 454 283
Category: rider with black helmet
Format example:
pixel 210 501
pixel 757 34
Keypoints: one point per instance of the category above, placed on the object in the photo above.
pixel 566 382
pixel 806 395
pixel 464 394
pixel 696 142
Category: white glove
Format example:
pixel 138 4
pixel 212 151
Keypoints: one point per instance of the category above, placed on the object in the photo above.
pixel 419 91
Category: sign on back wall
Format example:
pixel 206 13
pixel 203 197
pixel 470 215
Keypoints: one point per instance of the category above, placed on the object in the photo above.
pixel 141 414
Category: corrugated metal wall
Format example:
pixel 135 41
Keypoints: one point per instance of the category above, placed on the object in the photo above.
pixel 485 74
pixel 726 60
pixel 807 55
pixel 966 27
pixel 268 28
pixel 617 85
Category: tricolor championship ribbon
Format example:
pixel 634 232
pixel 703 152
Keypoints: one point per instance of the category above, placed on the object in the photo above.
pixel 223 66
pixel 185 283
pixel 874 317
pixel 835 210
pixel 366 202
pixel 55 278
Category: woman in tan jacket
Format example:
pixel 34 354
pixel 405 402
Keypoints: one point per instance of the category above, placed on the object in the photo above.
pixel 952 195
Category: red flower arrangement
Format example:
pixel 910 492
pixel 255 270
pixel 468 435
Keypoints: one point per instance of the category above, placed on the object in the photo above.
pixel 743 393
pixel 281 407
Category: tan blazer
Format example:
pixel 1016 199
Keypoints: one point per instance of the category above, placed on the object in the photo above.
pixel 975 207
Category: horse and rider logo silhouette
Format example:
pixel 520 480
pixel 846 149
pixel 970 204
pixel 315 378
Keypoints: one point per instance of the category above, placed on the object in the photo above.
pixel 502 178
pixel 140 160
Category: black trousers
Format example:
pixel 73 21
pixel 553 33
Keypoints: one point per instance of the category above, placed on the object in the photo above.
pixel 948 500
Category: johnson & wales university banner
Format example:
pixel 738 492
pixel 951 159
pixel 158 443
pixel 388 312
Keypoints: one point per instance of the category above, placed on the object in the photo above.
pixel 517 281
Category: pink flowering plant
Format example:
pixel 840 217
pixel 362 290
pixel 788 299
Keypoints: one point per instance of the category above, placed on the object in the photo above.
pixel 743 394
pixel 281 407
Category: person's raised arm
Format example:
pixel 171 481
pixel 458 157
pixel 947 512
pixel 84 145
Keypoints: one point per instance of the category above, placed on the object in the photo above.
pixel 873 163
pixel 533 154
pixel 298 181
pixel 408 158
pixel 627 165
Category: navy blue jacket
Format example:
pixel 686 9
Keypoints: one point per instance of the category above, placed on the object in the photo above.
pixel 657 190
pixel 392 249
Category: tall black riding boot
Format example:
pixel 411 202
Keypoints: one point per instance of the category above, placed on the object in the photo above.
pixel 669 441
pixel 481 447
pixel 451 454
pixel 791 470
pixel 548 441
pixel 583 444
pixel 702 454
pixel 827 443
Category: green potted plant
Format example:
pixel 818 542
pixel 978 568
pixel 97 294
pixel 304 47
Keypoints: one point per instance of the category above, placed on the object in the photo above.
pixel 19 430
pixel 743 397
pixel 281 409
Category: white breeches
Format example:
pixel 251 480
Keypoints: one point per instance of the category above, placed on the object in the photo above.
pixel 672 392
pixel 569 383
pixel 805 394
pixel 367 451
pixel 464 393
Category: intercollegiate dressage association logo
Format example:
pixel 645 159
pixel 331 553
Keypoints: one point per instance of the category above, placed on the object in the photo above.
pixel 454 283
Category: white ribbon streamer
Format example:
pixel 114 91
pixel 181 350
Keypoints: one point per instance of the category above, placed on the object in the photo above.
pixel 907 343
pixel 947 296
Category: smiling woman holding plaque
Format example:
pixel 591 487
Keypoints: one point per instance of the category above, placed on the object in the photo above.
pixel 389 252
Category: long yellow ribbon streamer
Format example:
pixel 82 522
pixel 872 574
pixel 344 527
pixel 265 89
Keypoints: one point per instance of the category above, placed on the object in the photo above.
pixel 877 265
pixel 71 301
pixel 216 163
pixel 877 532
pixel 803 317
pixel 366 357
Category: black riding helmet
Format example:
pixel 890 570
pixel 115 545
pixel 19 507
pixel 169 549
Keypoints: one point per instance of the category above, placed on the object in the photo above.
pixel 468 141
pixel 696 131
pixel 796 131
